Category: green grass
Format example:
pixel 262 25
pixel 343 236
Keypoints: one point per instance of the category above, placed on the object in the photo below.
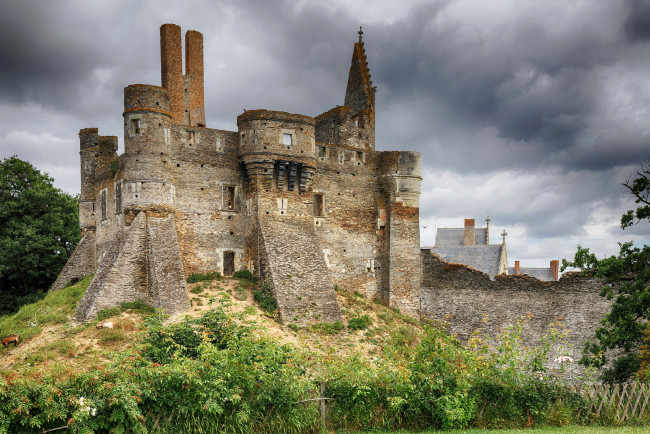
pixel 55 308
pixel 200 277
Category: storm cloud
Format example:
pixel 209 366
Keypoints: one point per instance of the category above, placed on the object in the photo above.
pixel 531 112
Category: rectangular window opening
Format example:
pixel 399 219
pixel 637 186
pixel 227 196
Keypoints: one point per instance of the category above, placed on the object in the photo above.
pixel 319 205
pixel 287 139
pixel 228 263
pixel 360 155
pixel 192 137
pixel 322 151
pixel 135 126
pixel 102 203
pixel 118 197
pixel 229 197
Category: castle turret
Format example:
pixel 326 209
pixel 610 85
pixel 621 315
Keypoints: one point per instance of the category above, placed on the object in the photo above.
pixel 89 156
pixel 147 147
pixel 278 150
pixel 352 124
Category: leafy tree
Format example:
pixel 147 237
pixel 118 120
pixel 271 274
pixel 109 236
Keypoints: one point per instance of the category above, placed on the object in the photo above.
pixel 39 229
pixel 627 278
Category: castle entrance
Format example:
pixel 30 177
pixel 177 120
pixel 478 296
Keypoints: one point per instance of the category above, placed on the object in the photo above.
pixel 228 263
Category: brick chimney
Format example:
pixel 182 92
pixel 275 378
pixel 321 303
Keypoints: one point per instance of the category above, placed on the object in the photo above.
pixel 517 271
pixel 470 236
pixel 555 269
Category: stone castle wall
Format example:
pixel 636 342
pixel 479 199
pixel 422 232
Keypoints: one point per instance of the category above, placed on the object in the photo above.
pixel 468 300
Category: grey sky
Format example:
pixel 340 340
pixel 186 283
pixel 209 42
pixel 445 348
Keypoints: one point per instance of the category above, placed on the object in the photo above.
pixel 531 112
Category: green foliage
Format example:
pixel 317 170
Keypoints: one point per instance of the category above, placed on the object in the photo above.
pixel 265 299
pixel 293 327
pixel 114 165
pixel 107 313
pixel 138 306
pixel 327 328
pixel 199 277
pixel 360 322
pixel 242 274
pixel 39 229
pixel 627 278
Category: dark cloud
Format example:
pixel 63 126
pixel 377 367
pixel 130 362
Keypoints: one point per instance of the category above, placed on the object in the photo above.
pixel 637 24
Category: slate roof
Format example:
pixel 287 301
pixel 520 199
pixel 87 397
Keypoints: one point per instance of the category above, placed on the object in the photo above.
pixel 453 237
pixel 482 257
pixel 538 273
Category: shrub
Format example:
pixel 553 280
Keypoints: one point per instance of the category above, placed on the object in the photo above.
pixel 107 313
pixel 200 277
pixel 293 327
pixel 138 306
pixel 326 328
pixel 360 323
pixel 242 274
pixel 264 298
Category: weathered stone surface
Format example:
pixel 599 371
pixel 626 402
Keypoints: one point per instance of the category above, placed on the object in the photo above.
pixel 80 264
pixel 297 271
pixel 468 300
pixel 167 289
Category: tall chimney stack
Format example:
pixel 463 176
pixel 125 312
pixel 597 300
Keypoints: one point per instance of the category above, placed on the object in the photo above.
pixel 555 269
pixel 470 236
pixel 517 271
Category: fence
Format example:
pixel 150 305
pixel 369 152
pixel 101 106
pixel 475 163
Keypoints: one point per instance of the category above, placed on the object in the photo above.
pixel 620 401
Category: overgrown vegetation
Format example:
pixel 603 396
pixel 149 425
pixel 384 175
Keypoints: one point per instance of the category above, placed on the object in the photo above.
pixel 265 299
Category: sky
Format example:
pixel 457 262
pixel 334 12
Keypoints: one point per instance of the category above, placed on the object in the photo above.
pixel 530 112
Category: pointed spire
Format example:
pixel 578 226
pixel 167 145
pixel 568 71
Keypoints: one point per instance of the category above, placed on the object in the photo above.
pixel 360 93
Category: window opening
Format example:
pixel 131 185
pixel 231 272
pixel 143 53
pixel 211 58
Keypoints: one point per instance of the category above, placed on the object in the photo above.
pixel 192 137
pixel 229 197
pixel 319 205
pixel 135 124
pixel 286 139
pixel 341 157
pixel 168 135
pixel 322 151
pixel 360 155
pixel 102 203
pixel 118 197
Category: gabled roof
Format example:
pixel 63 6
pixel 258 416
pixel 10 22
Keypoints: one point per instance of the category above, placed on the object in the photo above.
pixel 483 258
pixel 454 237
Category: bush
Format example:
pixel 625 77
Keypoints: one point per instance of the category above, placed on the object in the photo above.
pixel 242 274
pixel 138 306
pixel 107 313
pixel 360 323
pixel 200 277
pixel 264 298
pixel 328 328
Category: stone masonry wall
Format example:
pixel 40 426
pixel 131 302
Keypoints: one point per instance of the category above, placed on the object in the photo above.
pixel 121 273
pixel 167 289
pixel 468 300
pixel 80 264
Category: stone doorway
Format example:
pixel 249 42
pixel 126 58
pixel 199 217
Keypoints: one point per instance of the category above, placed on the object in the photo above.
pixel 228 263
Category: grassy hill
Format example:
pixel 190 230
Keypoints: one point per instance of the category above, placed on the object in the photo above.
pixel 228 365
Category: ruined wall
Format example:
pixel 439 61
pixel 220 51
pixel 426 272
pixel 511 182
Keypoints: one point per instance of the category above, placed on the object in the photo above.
pixel 468 300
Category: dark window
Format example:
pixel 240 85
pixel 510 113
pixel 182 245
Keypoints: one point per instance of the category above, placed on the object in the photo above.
pixel 322 151
pixel 319 205
pixel 135 124
pixel 102 203
pixel 118 197
pixel 229 197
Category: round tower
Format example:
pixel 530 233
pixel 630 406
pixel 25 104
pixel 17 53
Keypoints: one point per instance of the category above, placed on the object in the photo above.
pixel 147 147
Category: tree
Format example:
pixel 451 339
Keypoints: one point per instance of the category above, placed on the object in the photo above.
pixel 39 229
pixel 627 278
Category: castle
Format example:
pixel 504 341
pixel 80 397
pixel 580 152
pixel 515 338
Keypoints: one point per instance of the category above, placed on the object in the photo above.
pixel 305 203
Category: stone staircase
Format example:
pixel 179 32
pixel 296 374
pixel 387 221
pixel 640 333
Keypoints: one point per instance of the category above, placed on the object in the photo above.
pixel 297 271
